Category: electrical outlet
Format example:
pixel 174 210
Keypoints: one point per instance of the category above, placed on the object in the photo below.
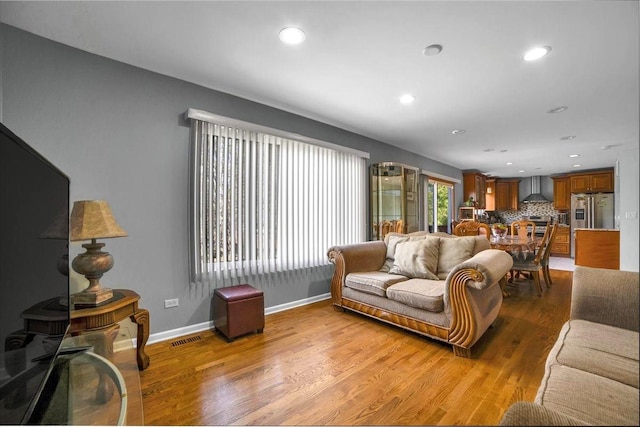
pixel 168 303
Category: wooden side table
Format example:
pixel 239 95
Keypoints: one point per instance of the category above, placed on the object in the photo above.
pixel 106 316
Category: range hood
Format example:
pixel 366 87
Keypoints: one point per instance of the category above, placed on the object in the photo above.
pixel 535 196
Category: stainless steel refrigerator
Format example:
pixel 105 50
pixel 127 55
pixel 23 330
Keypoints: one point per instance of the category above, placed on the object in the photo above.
pixel 591 211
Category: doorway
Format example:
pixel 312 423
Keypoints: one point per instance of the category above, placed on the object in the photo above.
pixel 439 201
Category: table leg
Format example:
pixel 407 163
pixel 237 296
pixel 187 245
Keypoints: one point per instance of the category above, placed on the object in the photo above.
pixel 103 345
pixel 103 342
pixel 141 318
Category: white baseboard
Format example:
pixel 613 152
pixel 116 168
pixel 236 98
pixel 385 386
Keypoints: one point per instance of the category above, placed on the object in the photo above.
pixel 204 326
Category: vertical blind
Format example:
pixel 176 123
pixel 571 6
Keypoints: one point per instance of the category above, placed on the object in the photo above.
pixel 262 203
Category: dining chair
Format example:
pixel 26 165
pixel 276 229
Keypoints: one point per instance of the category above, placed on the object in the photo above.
pixel 399 226
pixel 384 227
pixel 521 228
pixel 547 255
pixel 534 266
pixel 472 228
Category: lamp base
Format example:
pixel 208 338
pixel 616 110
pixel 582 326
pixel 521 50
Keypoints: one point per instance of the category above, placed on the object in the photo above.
pixel 91 299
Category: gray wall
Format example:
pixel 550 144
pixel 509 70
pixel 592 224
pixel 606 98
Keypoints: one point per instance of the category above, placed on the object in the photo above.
pixel 116 130
pixel 627 181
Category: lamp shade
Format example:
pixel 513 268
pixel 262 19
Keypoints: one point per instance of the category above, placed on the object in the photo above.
pixel 59 228
pixel 92 219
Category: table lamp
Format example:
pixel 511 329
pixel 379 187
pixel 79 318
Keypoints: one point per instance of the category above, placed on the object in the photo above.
pixel 91 220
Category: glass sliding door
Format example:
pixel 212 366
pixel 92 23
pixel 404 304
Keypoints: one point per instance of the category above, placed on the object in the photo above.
pixel 439 204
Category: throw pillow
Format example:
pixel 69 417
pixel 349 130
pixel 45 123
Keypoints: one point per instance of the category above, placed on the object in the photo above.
pixel 454 251
pixel 417 258
pixel 392 242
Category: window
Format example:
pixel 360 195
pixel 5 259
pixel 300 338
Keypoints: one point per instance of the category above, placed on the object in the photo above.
pixel 264 201
pixel 439 201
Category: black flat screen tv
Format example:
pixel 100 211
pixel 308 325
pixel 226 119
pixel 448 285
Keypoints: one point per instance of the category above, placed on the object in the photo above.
pixel 34 275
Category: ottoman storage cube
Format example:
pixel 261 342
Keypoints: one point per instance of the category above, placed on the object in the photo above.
pixel 238 310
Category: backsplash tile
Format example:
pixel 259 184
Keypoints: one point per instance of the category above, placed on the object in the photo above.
pixel 530 209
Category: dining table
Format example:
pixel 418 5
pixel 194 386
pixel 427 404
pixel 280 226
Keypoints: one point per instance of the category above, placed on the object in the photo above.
pixel 519 247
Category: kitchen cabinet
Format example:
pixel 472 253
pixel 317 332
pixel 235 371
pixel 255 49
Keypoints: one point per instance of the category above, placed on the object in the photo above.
pixel 394 202
pixel 598 248
pixel 506 194
pixel 561 193
pixel 562 244
pixel 490 195
pixel 474 186
pixel 593 182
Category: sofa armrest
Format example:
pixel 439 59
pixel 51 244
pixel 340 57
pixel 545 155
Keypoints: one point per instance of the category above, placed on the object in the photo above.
pixel 490 264
pixel 471 299
pixel 366 256
pixel 532 414
pixel 606 296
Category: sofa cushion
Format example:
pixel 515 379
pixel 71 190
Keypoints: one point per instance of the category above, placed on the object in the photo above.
pixel 454 251
pixel 590 398
pixel 419 293
pixel 372 282
pixel 481 244
pixel 600 349
pixel 417 259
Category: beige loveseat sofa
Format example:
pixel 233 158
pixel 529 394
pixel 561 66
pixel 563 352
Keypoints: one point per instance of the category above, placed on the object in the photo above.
pixel 445 287
pixel 591 373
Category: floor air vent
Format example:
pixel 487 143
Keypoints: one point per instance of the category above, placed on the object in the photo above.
pixel 186 341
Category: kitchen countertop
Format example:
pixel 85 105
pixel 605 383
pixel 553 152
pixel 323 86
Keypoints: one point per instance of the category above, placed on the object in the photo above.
pixel 595 229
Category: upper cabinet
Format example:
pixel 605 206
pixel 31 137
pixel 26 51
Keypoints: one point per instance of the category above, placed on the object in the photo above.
pixel 507 194
pixel 490 195
pixel 394 199
pixel 601 181
pixel 474 186
pixel 501 194
pixel 561 193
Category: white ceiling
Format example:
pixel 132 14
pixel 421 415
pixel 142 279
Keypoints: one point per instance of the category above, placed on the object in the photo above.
pixel 360 56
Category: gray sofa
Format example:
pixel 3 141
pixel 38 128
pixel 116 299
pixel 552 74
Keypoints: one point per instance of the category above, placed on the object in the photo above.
pixel 437 285
pixel 591 373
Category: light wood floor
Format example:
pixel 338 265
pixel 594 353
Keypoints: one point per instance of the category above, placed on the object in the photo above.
pixel 317 366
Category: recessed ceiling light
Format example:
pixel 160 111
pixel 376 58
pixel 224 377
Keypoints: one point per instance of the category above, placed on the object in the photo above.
pixel 291 35
pixel 509 163
pixel 537 53
pixel 432 50
pixel 574 155
pixel 568 137
pixel 458 131
pixel 558 110
pixel 576 166
pixel 407 98
pixel 521 171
